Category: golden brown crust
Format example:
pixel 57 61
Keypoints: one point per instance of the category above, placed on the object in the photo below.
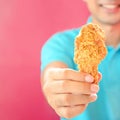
pixel 90 49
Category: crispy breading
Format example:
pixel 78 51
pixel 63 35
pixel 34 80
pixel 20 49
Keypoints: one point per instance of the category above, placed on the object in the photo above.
pixel 90 49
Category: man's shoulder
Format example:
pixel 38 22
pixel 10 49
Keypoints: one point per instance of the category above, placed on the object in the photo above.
pixel 69 32
pixel 65 35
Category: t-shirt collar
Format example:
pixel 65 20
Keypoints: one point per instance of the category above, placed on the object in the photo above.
pixel 89 20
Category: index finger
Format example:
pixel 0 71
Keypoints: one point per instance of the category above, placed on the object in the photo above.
pixel 70 74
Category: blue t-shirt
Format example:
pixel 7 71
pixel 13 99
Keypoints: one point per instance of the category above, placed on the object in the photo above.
pixel 60 47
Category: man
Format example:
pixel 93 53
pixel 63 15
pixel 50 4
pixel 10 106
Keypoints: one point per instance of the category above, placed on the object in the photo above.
pixel 69 92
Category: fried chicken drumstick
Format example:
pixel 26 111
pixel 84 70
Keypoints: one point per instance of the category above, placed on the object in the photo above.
pixel 90 49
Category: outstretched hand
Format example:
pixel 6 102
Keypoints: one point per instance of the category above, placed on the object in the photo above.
pixel 68 91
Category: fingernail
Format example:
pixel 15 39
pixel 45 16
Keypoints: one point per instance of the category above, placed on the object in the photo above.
pixel 89 78
pixel 94 88
pixel 93 96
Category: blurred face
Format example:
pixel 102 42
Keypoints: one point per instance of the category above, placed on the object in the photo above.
pixel 105 11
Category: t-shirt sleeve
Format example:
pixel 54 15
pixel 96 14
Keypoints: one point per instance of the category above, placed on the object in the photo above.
pixel 58 48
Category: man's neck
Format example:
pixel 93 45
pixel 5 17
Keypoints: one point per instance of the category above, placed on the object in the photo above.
pixel 112 34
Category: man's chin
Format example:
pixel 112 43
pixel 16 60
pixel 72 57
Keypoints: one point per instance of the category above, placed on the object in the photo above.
pixel 109 21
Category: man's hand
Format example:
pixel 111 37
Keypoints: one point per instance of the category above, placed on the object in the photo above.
pixel 68 91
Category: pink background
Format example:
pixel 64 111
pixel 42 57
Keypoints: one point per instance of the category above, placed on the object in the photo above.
pixel 24 27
